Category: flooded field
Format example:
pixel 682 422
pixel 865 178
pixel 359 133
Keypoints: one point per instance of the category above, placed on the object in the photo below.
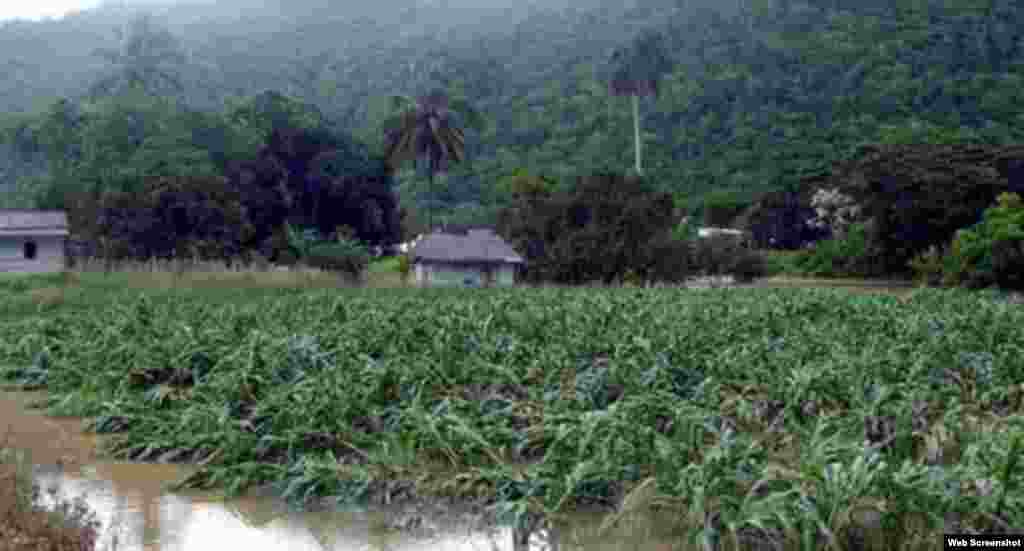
pixel 139 514
pixel 553 399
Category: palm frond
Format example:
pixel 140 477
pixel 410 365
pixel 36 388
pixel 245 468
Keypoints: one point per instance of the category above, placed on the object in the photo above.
pixel 638 67
pixel 427 128
pixel 399 103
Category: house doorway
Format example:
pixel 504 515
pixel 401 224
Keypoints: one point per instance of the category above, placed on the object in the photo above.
pixel 29 250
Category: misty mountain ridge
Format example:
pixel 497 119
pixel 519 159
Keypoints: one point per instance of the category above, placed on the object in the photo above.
pixel 760 93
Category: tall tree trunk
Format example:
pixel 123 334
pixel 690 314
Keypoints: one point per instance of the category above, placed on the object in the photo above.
pixel 636 131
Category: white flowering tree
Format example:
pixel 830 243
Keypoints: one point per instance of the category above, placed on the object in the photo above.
pixel 835 211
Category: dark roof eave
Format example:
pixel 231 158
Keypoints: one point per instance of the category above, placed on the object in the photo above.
pixel 33 232
pixel 468 260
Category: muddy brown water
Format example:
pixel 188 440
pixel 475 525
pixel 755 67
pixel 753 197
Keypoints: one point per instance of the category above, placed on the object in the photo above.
pixel 138 513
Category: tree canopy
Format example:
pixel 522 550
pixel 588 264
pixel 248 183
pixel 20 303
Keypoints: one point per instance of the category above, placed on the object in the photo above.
pixel 758 96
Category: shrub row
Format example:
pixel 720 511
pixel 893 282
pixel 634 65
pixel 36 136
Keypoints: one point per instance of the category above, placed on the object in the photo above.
pixel 988 253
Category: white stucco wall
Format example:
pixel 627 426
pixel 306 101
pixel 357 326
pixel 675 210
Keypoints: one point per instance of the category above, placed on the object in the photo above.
pixel 49 254
pixel 505 275
pixel 440 275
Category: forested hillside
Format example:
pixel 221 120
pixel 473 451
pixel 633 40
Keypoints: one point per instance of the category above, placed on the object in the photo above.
pixel 760 93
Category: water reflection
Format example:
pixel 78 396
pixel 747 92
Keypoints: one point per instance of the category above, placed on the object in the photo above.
pixel 137 520
pixel 138 514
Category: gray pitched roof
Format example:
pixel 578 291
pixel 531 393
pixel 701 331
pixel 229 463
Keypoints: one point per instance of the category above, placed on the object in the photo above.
pixel 476 245
pixel 33 222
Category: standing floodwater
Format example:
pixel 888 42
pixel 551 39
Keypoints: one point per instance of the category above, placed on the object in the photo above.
pixel 138 514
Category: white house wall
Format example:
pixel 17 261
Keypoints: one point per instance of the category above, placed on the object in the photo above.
pixel 453 275
pixel 505 275
pixel 449 275
pixel 49 254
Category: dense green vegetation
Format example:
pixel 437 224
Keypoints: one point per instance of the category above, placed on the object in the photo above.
pixel 802 417
pixel 992 251
pixel 796 416
pixel 760 93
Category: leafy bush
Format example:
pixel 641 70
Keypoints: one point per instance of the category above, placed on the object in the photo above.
pixel 747 266
pixel 404 266
pixel 781 220
pixel 348 257
pixel 927 266
pixel 279 250
pixel 781 262
pixel 1008 263
pixel 180 217
pixel 724 255
pixel 632 278
pixel 669 261
pixel 720 208
pixel 920 195
pixel 301 241
pixel 992 251
pixel 596 231
pixel 686 229
pixel 287 258
pixel 838 257
pixel 711 255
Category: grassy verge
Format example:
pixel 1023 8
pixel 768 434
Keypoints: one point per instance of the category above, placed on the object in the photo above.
pixel 90 284
pixel 804 417
pixel 384 265
pixel 782 262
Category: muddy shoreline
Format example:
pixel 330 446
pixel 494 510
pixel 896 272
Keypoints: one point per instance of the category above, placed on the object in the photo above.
pixel 58 446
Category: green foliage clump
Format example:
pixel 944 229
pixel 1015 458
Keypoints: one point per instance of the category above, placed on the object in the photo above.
pixel 669 261
pixel 719 209
pixel 612 228
pixel 521 182
pixel 149 178
pixel 605 226
pixel 992 251
pixel 781 220
pixel 346 256
pixel 747 265
pixel 725 255
pixel 301 241
pixel 404 265
pixel 180 216
pixel 927 266
pixel 916 196
pixel 686 229
pixel 280 249
pixel 844 256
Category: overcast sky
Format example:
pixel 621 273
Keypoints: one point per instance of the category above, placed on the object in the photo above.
pixel 36 9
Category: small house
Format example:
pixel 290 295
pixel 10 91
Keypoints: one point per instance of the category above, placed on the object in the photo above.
pixel 475 257
pixel 32 240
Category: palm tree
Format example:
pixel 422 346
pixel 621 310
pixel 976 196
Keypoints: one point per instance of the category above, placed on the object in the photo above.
pixel 637 71
pixel 426 128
